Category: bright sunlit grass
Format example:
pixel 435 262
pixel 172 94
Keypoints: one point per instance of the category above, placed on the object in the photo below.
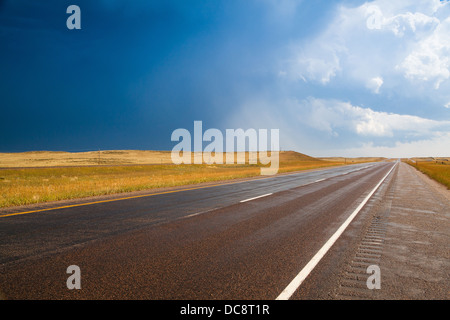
pixel 437 170
pixel 20 186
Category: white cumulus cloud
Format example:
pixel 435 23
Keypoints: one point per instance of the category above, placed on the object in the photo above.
pixel 430 58
pixel 334 116
pixel 375 84
pixel 435 146
pixel 404 41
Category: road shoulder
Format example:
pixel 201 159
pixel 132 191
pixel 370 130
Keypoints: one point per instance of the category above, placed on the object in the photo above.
pixel 416 260
pixel 404 230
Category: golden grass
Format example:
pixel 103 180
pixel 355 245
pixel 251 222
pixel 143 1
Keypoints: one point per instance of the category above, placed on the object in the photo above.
pixel 437 169
pixel 105 157
pixel 116 157
pixel 21 186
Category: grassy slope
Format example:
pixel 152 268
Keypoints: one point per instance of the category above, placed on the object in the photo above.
pixel 438 170
pixel 108 157
pixel 21 186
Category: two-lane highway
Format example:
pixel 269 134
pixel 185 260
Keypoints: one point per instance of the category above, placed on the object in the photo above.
pixel 235 240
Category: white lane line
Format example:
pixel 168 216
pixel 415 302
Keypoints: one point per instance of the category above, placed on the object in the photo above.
pixel 297 281
pixel 264 195
pixel 197 213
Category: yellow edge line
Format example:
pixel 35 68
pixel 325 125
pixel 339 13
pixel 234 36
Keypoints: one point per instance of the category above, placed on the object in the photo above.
pixel 144 195
pixel 111 200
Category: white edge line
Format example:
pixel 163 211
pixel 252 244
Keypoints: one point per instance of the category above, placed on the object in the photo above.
pixel 309 183
pixel 297 281
pixel 252 179
pixel 264 195
pixel 201 212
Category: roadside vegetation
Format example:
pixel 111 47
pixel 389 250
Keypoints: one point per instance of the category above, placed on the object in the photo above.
pixel 437 169
pixel 52 182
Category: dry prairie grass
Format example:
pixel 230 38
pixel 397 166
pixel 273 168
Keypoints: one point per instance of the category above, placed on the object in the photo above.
pixel 20 186
pixel 105 157
pixel 436 168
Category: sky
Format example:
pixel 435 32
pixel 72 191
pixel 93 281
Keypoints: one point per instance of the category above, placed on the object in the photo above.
pixel 337 78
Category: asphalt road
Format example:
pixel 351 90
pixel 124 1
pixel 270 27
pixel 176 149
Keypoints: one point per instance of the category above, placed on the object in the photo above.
pixel 245 240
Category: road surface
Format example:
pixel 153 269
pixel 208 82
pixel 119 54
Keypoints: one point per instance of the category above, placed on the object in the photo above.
pixel 236 240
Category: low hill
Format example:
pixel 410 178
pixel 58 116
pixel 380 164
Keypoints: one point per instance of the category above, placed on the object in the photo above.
pixel 109 157
pixel 292 156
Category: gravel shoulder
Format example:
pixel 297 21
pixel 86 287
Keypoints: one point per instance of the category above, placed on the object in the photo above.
pixel 415 263
pixel 405 231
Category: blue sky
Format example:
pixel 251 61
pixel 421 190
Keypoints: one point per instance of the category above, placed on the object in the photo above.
pixel 338 78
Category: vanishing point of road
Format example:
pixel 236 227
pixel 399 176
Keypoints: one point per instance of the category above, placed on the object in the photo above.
pixel 304 235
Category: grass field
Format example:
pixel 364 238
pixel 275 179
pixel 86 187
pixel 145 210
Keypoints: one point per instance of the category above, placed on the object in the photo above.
pixel 437 169
pixel 108 157
pixel 50 176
